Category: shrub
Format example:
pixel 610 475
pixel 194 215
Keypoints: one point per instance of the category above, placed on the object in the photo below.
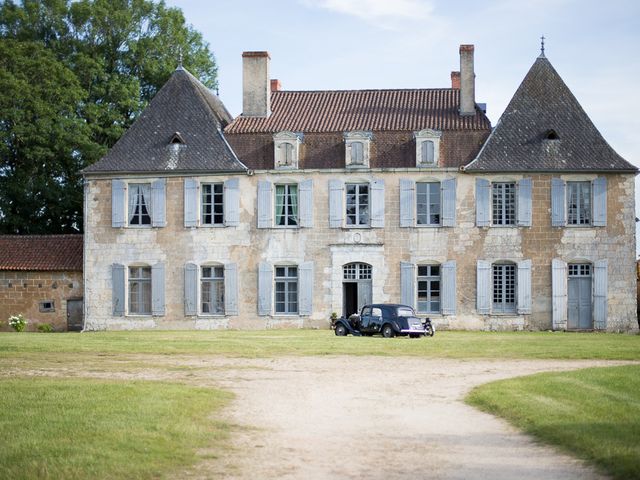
pixel 45 328
pixel 17 322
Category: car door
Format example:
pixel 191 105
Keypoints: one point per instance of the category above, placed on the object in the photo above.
pixel 365 320
pixel 375 322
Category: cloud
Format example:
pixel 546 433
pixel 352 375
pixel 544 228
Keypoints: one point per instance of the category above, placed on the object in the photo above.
pixel 380 13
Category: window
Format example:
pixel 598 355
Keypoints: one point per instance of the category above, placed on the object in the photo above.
pixel 427 152
pixel 357 149
pixel 212 290
pixel 139 204
pixel 579 270
pixel 357 153
pixel 140 290
pixel 356 271
pixel 287 205
pixel 428 203
pixel 285 154
pixel 579 203
pixel 357 204
pixel 286 280
pixel 47 306
pixel 286 150
pixel 504 287
pixel 212 204
pixel 503 203
pixel 429 288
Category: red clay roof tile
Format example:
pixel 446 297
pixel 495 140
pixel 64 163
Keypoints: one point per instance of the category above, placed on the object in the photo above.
pixel 41 252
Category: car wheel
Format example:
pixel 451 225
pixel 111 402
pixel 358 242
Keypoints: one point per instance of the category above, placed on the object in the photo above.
pixel 341 330
pixel 387 331
pixel 429 330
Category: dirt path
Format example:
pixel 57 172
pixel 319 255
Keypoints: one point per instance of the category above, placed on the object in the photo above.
pixel 383 418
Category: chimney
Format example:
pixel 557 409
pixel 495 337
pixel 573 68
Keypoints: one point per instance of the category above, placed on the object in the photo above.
pixel 276 86
pixel 455 80
pixel 256 91
pixel 467 81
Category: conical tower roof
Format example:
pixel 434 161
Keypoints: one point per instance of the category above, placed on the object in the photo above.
pixel 179 131
pixel 545 129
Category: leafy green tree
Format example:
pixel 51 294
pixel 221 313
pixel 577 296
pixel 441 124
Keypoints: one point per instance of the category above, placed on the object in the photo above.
pixel 86 69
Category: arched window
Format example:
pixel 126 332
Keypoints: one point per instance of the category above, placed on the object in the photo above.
pixel 286 151
pixel 212 289
pixel 504 287
pixel 357 153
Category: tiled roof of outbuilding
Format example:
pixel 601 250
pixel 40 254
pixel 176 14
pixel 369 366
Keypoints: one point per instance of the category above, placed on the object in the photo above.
pixel 41 252
pixel 185 106
pixel 368 110
pixel 543 107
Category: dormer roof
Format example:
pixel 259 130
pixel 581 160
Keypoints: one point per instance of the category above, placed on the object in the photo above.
pixel 545 129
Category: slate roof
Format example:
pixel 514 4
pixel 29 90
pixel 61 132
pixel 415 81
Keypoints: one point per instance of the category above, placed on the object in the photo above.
pixel 368 110
pixel 41 252
pixel 182 105
pixel 544 106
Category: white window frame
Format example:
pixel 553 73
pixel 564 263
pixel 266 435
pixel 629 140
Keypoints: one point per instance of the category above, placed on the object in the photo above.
pixel 147 204
pixel 581 209
pixel 287 280
pixel 499 217
pixel 430 278
pixel 287 195
pixel 357 137
pixel 286 150
pixel 503 294
pixel 201 205
pixel 427 135
pixel 357 205
pixel 432 184
pixel 212 279
pixel 128 292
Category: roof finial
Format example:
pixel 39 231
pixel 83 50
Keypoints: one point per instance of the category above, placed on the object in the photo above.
pixel 542 46
pixel 179 58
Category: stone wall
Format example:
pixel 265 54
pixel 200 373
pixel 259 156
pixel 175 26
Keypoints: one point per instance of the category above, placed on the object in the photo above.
pixel 22 292
pixel 384 249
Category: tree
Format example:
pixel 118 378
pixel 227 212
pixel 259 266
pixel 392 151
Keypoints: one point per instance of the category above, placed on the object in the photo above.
pixel 86 69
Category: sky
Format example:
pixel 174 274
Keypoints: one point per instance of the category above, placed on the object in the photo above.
pixel 363 44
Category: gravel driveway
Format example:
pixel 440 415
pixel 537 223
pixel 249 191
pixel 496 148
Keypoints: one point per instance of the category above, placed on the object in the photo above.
pixel 382 418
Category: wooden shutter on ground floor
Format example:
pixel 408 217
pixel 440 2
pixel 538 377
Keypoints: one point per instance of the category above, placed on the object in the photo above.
pixel 524 287
pixel 305 278
pixel 230 289
pixel 448 285
pixel 265 288
pixel 483 287
pixel 117 289
pixel 190 289
pixel 408 284
pixel 600 294
pixel 157 289
pixel 559 293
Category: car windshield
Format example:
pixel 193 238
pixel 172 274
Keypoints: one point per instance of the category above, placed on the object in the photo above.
pixel 405 312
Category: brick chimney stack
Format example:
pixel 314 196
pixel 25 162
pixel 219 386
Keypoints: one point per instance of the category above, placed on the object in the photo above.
pixel 467 81
pixel 256 88
pixel 455 80
pixel 276 86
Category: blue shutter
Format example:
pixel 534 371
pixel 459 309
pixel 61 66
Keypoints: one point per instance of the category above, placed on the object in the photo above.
pixel 408 284
pixel 157 289
pixel 231 201
pixel 190 202
pixel 118 192
pixel 230 289
pixel 448 293
pixel 448 187
pixel 305 278
pixel 305 203
pixel 558 208
pixel 599 186
pixel 190 289
pixel 117 289
pixel 158 203
pixel 600 295
pixel 336 198
pixel 524 202
pixel 524 287
pixel 483 287
pixel 407 202
pixel 265 210
pixel 265 288
pixel 377 203
pixel 559 294
pixel 483 204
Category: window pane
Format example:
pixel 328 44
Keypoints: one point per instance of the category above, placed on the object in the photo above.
pixel 427 151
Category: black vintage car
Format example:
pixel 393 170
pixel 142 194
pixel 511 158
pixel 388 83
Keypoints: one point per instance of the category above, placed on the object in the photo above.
pixel 388 320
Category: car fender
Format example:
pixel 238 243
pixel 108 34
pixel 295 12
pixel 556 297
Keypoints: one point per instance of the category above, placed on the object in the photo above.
pixel 347 325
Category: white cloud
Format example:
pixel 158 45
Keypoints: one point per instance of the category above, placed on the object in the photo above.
pixel 380 13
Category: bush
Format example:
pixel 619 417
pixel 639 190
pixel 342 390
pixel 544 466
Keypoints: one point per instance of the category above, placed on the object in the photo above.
pixel 45 328
pixel 17 322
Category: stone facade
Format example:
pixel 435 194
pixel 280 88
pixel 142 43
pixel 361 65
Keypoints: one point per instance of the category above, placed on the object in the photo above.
pixel 331 248
pixel 21 292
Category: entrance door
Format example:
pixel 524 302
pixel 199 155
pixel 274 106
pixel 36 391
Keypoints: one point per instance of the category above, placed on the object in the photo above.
pixel 74 315
pixel 356 287
pixel 579 297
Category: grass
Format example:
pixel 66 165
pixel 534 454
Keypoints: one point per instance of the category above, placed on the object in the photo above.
pixel 270 343
pixel 591 413
pixel 77 429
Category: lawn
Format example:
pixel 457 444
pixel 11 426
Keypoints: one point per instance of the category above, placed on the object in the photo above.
pixel 526 345
pixel 591 413
pixel 81 428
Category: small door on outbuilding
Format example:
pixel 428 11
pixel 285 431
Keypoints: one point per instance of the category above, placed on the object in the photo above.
pixel 75 319
pixel 579 286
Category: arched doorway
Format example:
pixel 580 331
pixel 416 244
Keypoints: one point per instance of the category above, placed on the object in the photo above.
pixel 356 287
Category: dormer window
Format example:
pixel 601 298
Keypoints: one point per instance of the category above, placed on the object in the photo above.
pixel 427 147
pixel 357 149
pixel 286 150
pixel 177 139
pixel 551 135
